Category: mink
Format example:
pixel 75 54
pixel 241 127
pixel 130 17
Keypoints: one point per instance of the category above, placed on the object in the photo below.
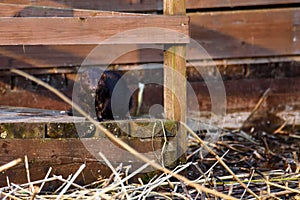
pixel 111 102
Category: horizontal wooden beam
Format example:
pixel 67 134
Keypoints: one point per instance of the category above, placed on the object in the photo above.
pixel 224 35
pixel 243 95
pixel 196 4
pixel 146 5
pixel 59 59
pixel 56 142
pixel 236 120
pixel 66 155
pixel 249 61
pixel 116 5
pixel 91 30
pixel 242 91
pixel 18 10
pixel 45 56
pixel 251 33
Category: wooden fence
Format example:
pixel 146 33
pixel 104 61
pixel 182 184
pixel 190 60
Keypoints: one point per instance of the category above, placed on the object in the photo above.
pixel 238 34
pixel 149 5
pixel 255 45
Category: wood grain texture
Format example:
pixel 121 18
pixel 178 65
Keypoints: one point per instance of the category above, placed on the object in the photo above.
pixel 50 139
pixel 145 5
pixel 196 4
pixel 65 156
pixel 241 95
pixel 175 80
pixel 252 33
pixel 90 30
pixel 16 10
pixel 116 5
pixel 177 7
pixel 224 35
pixel 175 83
pixel 243 86
pixel 175 70
pixel 45 56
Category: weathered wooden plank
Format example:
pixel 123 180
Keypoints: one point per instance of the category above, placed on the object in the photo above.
pixel 41 56
pixel 283 75
pixel 247 61
pixel 15 10
pixel 39 170
pixel 233 120
pixel 252 33
pixel 27 123
pixel 242 92
pixel 116 5
pixel 175 79
pixel 38 99
pixel 62 57
pixel 61 154
pixel 238 34
pixel 175 83
pixel 19 91
pixel 146 5
pixel 245 93
pixel 144 135
pixel 196 4
pixel 90 30
pixel 174 70
pixel 236 120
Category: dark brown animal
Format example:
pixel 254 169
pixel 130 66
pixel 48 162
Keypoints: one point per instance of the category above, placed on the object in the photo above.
pixel 112 98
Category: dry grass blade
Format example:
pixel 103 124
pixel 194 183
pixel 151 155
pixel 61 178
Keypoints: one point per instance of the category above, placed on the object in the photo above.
pixel 10 196
pixel 283 187
pixel 115 173
pixel 258 104
pixel 219 159
pixel 28 173
pixel 120 142
pixel 35 192
pixel 252 173
pixel 65 181
pixel 71 181
pixel 111 187
pixel 161 179
pixel 43 183
pixel 10 164
pixel 27 192
pixel 280 128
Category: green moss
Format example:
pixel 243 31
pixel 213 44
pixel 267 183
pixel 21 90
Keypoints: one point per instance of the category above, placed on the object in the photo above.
pixel 146 177
pixel 21 130
pixel 61 130
pixel 171 126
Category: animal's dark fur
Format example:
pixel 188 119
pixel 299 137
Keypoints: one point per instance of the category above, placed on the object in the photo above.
pixel 103 99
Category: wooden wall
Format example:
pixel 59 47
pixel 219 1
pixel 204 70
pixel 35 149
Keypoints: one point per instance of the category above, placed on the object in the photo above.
pixel 148 5
pixel 243 37
pixel 223 34
pixel 255 44
pixel 247 33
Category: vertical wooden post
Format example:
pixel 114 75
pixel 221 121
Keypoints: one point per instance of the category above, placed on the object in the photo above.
pixel 174 65
pixel 175 78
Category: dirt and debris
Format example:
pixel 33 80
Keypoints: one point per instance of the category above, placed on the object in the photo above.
pixel 267 163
